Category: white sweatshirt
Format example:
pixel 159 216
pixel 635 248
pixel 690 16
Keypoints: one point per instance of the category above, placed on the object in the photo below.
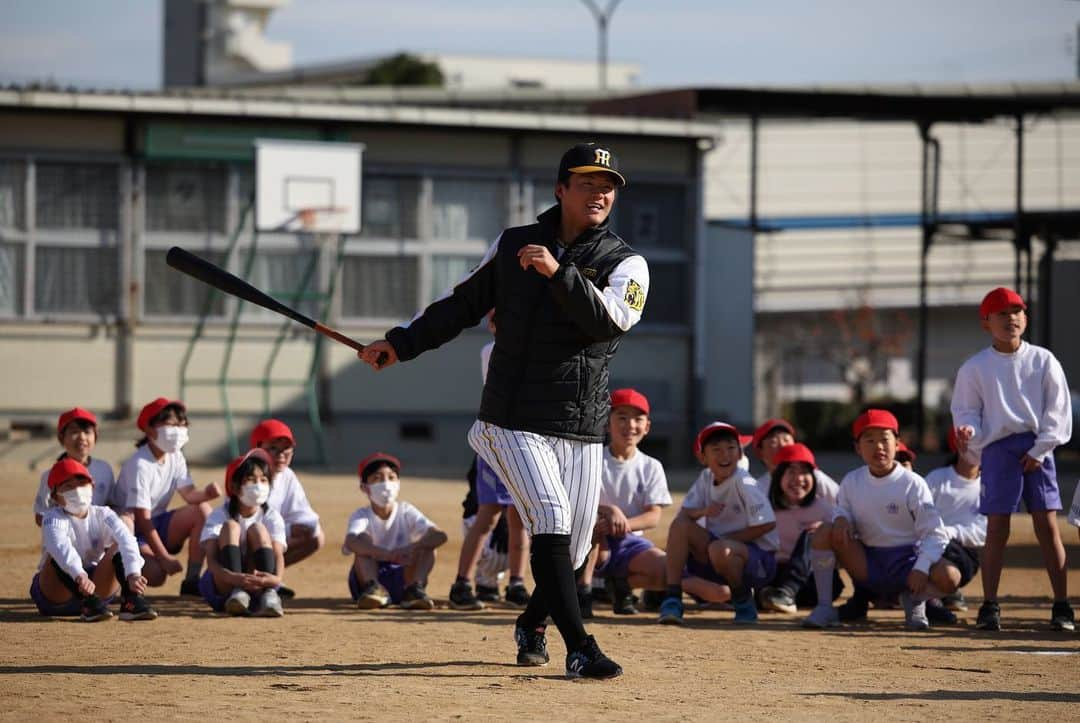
pixel 957 499
pixel 76 543
pixel 999 395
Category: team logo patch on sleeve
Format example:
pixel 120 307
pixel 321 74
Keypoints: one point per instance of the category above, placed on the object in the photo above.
pixel 635 296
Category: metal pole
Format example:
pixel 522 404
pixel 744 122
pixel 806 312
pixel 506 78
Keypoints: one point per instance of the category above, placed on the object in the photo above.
pixel 602 19
pixel 928 220
pixel 1018 218
pixel 753 172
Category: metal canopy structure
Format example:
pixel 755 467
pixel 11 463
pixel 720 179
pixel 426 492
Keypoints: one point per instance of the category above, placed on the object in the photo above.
pixel 919 106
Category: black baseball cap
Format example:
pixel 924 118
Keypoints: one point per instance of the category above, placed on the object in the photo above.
pixel 590 158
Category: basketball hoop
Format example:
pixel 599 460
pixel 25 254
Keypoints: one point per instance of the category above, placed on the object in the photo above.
pixel 319 220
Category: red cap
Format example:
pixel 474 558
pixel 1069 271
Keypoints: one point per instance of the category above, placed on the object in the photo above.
pixel 903 449
pixel 377 457
pixel 230 470
pixel 710 429
pixel 745 439
pixel 629 398
pixel 876 419
pixel 950 439
pixel 71 415
pixel 797 452
pixel 64 470
pixel 763 431
pixel 269 429
pixel 1000 299
pixel 153 409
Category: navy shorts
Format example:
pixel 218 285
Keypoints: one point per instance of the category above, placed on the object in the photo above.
pixel 59 610
pixel 391 576
pixel 1005 483
pixel 161 524
pixel 489 488
pixel 759 570
pixel 964 559
pixel 887 568
pixel 621 551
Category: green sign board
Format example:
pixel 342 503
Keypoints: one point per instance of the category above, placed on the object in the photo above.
pixel 182 141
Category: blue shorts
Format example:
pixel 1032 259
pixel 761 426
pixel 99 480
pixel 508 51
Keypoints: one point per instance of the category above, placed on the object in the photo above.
pixel 391 576
pixel 161 524
pixel 59 610
pixel 1004 482
pixel 887 568
pixel 489 488
pixel 622 550
pixel 758 572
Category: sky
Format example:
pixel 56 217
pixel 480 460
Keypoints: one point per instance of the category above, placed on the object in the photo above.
pixel 117 43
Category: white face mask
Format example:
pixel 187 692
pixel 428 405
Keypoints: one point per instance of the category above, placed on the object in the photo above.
pixel 170 438
pixel 254 494
pixel 384 493
pixel 77 501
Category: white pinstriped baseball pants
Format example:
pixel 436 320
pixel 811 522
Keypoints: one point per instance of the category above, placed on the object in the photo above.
pixel 555 482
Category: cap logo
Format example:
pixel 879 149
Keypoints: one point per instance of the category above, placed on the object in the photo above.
pixel 603 158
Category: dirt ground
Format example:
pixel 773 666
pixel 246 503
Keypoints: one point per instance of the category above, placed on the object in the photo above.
pixel 327 660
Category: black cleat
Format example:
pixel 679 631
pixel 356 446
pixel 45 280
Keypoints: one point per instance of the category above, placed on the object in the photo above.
pixel 589 662
pixel 189 587
pixel 938 614
pixel 462 597
pixel 94 610
pixel 416 598
pixel 531 645
pixel 1061 616
pixel 517 595
pixel 286 593
pixel 135 607
pixel 486 593
pixel 989 616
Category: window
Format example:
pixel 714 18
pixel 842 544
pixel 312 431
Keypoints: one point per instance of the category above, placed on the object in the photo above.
pixel 76 279
pixel 12 194
pixel 76 195
pixel 286 274
pixel 11 275
pixel 468 209
pixel 389 208
pixel 167 293
pixel 667 302
pixel 185 198
pixel 652 216
pixel 447 270
pixel 383 287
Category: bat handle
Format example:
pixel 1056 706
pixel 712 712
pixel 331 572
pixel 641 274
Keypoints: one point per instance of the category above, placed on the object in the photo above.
pixel 351 343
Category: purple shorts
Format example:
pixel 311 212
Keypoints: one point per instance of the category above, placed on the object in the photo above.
pixel 887 568
pixel 759 570
pixel 1004 482
pixel 489 488
pixel 391 576
pixel 58 610
pixel 161 524
pixel 622 550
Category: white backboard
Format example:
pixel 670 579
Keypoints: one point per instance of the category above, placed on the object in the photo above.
pixel 293 177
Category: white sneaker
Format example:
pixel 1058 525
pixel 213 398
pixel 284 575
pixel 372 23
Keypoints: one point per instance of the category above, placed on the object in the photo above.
pixel 269 605
pixel 914 613
pixel 238 602
pixel 822 616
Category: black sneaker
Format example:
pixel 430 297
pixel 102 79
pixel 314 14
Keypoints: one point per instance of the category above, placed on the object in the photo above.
pixel 189 587
pixel 778 600
pixel 651 600
pixel 938 614
pixel 487 593
pixel 589 662
pixel 135 607
pixel 622 597
pixel 955 602
pixel 585 601
pixel 286 593
pixel 1061 616
pixel 854 608
pixel 517 595
pixel 531 645
pixel 989 616
pixel 462 597
pixel 416 598
pixel 94 610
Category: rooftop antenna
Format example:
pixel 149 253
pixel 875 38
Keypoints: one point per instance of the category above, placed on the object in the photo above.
pixel 602 19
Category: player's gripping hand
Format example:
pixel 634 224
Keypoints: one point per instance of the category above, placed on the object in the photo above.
pixel 378 354
pixel 137 584
pixel 917 582
pixel 263 580
pixel 84 585
pixel 539 258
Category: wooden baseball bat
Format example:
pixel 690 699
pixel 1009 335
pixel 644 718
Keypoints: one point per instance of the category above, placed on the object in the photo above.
pixel 219 278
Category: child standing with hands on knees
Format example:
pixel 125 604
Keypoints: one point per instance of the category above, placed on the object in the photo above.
pixel 244 543
pixel 392 542
pixel 76 431
pixel 1011 408
pixel 77 537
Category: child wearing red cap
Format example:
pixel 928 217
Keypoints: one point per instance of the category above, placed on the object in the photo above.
pixel 76 430
pixel 304 533
pixel 392 542
pixel 149 479
pixel 76 536
pixel 244 543
pixel 736 549
pixel 886 531
pixel 1011 407
pixel 768 439
pixel 633 493
pixel 800 508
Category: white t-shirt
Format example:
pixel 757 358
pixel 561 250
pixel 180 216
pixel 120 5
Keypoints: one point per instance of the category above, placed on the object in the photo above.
pixel 271 519
pixel 147 484
pixel 893 510
pixel 634 484
pixel 1074 509
pixel 76 543
pixel 793 521
pixel 105 487
pixel 957 500
pixel 404 526
pixel 287 496
pixel 744 506
pixel 1004 394
pixel 826 485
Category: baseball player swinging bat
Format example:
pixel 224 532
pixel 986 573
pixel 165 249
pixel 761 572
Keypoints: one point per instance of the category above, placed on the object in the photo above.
pixel 219 278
